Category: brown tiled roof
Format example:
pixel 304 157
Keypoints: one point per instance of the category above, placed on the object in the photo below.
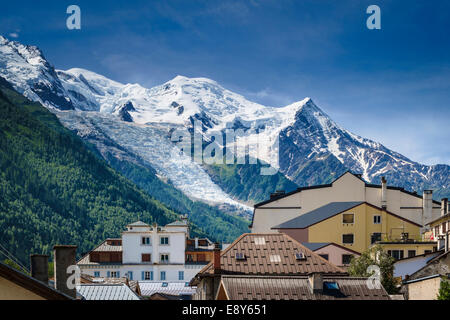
pixel 102 247
pixel 271 254
pixel 297 288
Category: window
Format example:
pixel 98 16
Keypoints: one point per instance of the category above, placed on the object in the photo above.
pixel 346 259
pixel 325 256
pixel 444 227
pixel 427 251
pixel 147 275
pixel 411 253
pixel 146 241
pixel 114 274
pixel 164 258
pixel 130 275
pixel 375 237
pixel 240 256
pixel 180 275
pixel 146 257
pixel 189 258
pixel 330 285
pixel 300 256
pixel 97 274
pixel 348 218
pixel 165 284
pixel 347 238
pixel 163 275
pixel 396 254
pixel 377 219
pixel 164 240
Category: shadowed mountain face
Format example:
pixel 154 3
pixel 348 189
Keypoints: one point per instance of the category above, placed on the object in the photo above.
pixel 312 148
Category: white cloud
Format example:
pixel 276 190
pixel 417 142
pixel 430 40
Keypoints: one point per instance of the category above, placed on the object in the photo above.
pixel 14 35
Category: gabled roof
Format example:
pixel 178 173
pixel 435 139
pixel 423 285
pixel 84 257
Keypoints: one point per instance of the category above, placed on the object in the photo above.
pixel 138 224
pixel 298 288
pixel 269 254
pixel 177 223
pixel 369 185
pixel 106 292
pixel 317 215
pixel 29 283
pixel 314 246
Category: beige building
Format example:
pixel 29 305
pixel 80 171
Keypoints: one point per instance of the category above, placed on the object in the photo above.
pixel 424 288
pixel 348 187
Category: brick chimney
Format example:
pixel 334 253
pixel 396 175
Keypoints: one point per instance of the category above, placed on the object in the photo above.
pixel 444 206
pixel 39 267
pixel 383 193
pixel 216 261
pixel 315 282
pixel 64 256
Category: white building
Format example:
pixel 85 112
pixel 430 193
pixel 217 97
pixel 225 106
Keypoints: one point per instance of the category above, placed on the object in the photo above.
pixel 146 253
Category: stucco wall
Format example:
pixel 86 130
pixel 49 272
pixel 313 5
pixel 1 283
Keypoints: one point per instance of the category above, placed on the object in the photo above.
pixel 11 291
pixel 334 254
pixel 347 188
pixel 424 290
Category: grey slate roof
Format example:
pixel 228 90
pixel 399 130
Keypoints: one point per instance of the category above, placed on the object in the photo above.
pixel 106 292
pixel 173 288
pixel 317 215
pixel 138 224
pixel 313 246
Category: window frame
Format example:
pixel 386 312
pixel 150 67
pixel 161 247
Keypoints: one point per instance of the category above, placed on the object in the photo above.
pixel 164 237
pixel 161 273
pixel 181 275
pixel 377 216
pixel 144 242
pixel 346 255
pixel 348 214
pixel 348 234
pixel 161 260
pixel 149 257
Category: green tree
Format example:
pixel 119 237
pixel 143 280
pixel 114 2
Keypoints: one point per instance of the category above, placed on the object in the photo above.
pixel 375 256
pixel 444 291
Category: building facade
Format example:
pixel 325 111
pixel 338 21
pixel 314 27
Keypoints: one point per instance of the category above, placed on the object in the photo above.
pixel 349 187
pixel 440 227
pixel 149 253
pixel 357 226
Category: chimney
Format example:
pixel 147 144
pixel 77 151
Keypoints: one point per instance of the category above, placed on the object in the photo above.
pixel 427 204
pixel 383 193
pixel 216 262
pixel 196 242
pixel 315 282
pixel 39 267
pixel 64 256
pixel 444 206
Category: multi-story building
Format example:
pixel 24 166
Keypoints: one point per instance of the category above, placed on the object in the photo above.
pixel 349 187
pixel 357 226
pixel 149 253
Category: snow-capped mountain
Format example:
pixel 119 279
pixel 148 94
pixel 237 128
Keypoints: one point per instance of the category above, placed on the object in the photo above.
pixel 311 147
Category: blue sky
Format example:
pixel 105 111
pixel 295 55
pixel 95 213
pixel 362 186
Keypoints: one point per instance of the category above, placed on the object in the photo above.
pixel 390 85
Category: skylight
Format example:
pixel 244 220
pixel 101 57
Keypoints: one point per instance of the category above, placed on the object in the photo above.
pixel 260 241
pixel 275 258
pixel 331 285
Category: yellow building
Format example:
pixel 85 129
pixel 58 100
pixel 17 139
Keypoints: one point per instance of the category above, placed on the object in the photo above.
pixel 356 226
